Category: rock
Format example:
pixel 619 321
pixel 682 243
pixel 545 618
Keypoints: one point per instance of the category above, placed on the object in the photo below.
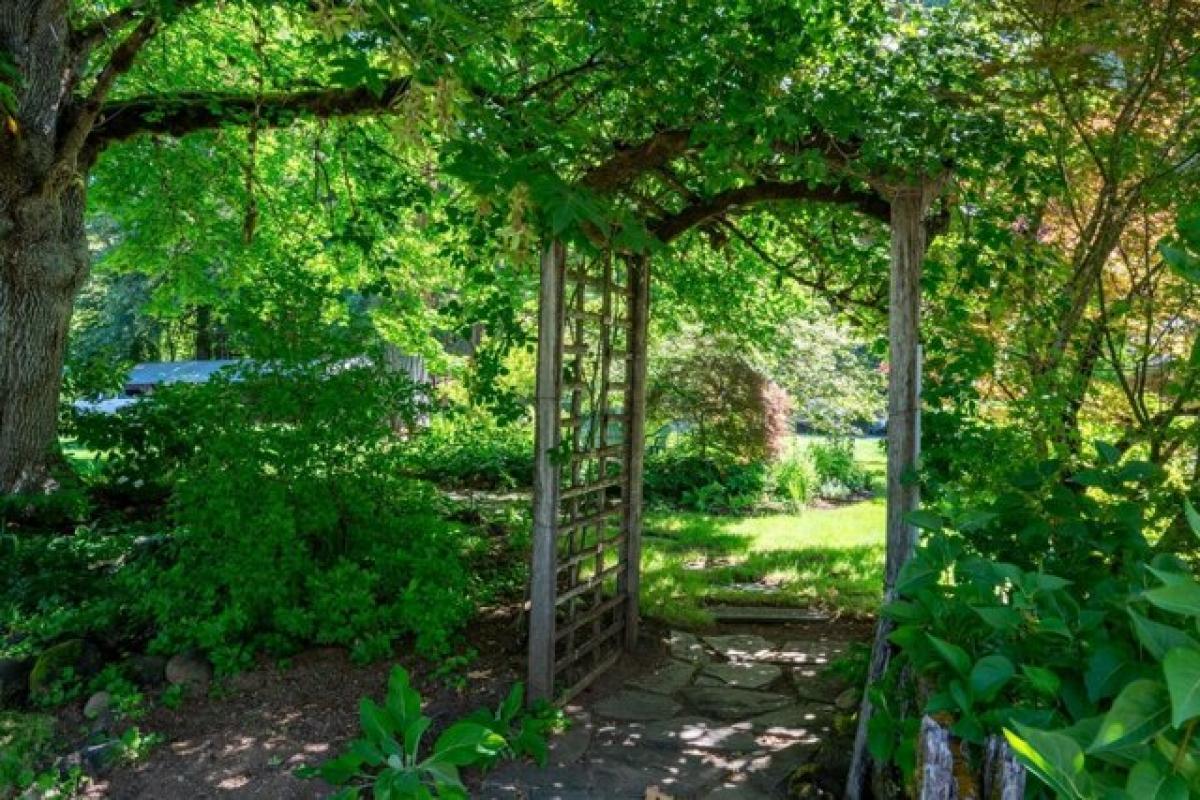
pixel 848 700
pixel 98 759
pixel 634 706
pixel 810 652
pixel 771 771
pixel 189 670
pixel 570 745
pixel 687 647
pixel 668 679
pixel 14 681
pixel 699 733
pixel 748 675
pixel 736 791
pixel 98 705
pixel 72 654
pixel 792 722
pixel 741 647
pixel 727 702
pixel 147 671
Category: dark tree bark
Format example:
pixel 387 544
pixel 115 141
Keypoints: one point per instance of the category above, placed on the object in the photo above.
pixel 43 247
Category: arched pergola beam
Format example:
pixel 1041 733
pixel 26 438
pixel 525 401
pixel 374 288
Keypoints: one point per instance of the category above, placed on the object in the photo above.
pixel 669 228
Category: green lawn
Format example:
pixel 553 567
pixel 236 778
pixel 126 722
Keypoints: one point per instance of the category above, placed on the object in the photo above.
pixel 827 558
pixel 824 557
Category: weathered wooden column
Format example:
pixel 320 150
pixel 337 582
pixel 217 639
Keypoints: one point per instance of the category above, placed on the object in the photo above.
pixel 543 570
pixel 635 433
pixel 909 206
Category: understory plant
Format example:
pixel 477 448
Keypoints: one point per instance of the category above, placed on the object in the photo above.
pixel 1048 617
pixel 391 759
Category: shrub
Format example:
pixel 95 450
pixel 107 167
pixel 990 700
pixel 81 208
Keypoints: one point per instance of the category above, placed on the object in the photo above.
pixel 291 520
pixel 1079 645
pixel 793 482
pixel 838 475
pixel 472 451
pixel 681 478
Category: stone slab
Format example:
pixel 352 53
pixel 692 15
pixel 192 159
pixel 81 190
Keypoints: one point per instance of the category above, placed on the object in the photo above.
pixel 686 646
pixel 746 674
pixel 726 702
pixel 766 614
pixel 768 773
pixel 667 679
pixel 741 646
pixel 699 733
pixel 632 705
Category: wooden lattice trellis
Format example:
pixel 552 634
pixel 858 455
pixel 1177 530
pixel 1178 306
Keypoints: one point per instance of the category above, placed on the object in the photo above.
pixel 590 435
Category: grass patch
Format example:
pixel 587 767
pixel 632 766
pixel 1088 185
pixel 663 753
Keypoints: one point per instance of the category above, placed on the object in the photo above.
pixel 827 558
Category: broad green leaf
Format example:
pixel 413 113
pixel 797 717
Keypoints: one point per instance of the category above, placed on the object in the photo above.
pixel 989 675
pixel 1178 598
pixel 1182 670
pixel 923 519
pixel 413 735
pixel 1193 516
pixel 1044 681
pixel 1110 454
pixel 377 726
pixel 1147 782
pixel 1141 710
pixel 512 703
pixel 465 743
pixel 1158 638
pixel 954 655
pixel 881 737
pixel 1004 618
pixel 1107 670
pixel 403 701
pixel 341 769
pixel 1054 758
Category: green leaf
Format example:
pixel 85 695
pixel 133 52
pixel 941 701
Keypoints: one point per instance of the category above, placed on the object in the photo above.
pixel 465 743
pixel 1054 758
pixel 1141 710
pixel 1108 453
pixel 1043 680
pixel 1106 671
pixel 989 675
pixel 881 737
pixel 923 519
pixel 403 701
pixel 341 769
pixel 1193 516
pixel 1178 598
pixel 413 735
pixel 1147 782
pixel 1003 618
pixel 1182 670
pixel 377 725
pixel 512 703
pixel 954 655
pixel 1158 638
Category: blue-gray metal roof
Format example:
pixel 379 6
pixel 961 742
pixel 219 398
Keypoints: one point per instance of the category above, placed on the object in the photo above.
pixel 155 373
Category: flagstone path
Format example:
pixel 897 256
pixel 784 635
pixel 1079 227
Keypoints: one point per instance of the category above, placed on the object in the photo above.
pixel 728 716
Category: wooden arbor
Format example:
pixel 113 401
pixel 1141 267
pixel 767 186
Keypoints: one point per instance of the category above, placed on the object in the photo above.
pixel 589 438
pixel 588 466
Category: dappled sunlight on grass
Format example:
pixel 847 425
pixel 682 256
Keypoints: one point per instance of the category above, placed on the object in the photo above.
pixel 829 558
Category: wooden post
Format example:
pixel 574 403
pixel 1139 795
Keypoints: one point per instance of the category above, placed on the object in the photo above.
pixel 909 205
pixel 548 415
pixel 635 434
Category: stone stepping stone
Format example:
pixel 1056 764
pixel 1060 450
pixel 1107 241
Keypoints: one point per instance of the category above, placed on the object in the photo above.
pixel 687 647
pixel 628 772
pixel 668 679
pixel 741 646
pixel 768 772
pixel 746 674
pixel 808 652
pixel 727 702
pixel 792 722
pixel 631 705
pixel 699 733
pixel 767 614
pixel 736 791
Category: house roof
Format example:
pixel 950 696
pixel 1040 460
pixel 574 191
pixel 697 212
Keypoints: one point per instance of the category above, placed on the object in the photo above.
pixel 155 373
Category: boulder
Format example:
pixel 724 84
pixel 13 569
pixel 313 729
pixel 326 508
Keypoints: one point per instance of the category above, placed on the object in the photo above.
pixel 189 670
pixel 73 654
pixel 98 705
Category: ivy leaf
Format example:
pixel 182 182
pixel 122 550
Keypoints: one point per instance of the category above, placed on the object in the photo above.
pixel 1182 670
pixel 1140 712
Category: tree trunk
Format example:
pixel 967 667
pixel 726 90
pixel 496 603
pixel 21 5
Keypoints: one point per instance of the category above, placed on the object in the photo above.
pixel 43 247
pixel 43 262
